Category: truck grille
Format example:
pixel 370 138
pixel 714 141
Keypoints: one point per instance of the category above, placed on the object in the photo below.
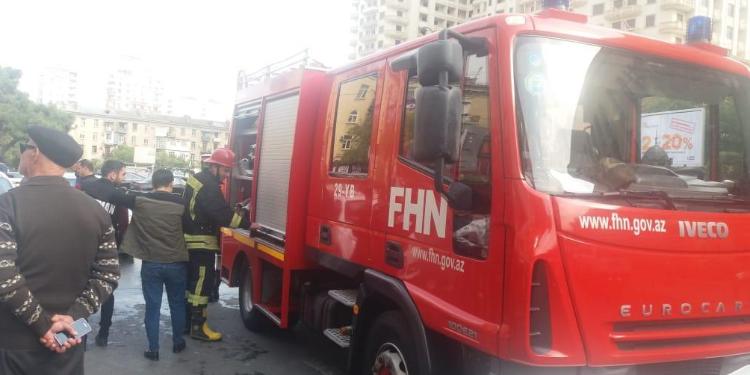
pixel 680 333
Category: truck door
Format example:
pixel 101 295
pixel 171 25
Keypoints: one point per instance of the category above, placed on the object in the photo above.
pixel 347 168
pixel 452 257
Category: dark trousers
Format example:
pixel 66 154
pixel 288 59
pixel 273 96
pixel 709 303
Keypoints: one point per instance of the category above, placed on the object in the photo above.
pixel 108 308
pixel 41 361
pixel 201 276
pixel 154 278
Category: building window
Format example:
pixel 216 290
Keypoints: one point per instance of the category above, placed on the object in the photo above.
pixel 145 142
pixel 132 140
pixel 82 136
pixel 462 13
pixel 353 115
pixel 730 9
pixel 135 127
pixel 730 32
pixel 598 9
pixel 630 24
pixel 422 17
pixel 93 149
pixel 678 40
pixel 397 42
pixel 193 132
pixel 617 4
pixel 680 17
pixel 424 3
pixel 400 13
pixel 346 142
pixel 362 93
pixel 650 1
pixel 650 20
pixel 192 144
pixel 350 148
pixel 398 28
pixel 632 2
pixel 94 136
pixel 617 25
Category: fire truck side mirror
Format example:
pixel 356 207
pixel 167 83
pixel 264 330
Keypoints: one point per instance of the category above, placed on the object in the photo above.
pixel 437 125
pixel 438 57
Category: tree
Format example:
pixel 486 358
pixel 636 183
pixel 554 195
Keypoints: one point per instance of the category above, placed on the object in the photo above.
pixel 123 153
pixel 164 160
pixel 17 112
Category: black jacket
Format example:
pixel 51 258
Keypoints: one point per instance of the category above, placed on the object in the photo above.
pixel 206 212
pixel 57 256
pixel 111 198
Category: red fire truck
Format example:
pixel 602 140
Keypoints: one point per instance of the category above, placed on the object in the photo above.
pixel 521 194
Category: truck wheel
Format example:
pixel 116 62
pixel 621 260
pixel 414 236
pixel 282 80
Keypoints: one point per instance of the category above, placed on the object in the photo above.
pixel 390 350
pixel 253 319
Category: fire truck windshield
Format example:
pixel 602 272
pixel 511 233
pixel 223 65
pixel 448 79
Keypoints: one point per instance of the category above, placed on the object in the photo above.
pixel 597 121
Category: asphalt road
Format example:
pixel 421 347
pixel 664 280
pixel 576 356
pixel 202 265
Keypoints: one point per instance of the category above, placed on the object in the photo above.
pixel 294 351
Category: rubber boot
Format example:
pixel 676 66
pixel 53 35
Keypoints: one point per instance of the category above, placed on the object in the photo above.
pixel 102 337
pixel 199 329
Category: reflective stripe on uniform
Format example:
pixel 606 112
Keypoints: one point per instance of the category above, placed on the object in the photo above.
pixel 195 298
pixel 236 220
pixel 196 186
pixel 201 241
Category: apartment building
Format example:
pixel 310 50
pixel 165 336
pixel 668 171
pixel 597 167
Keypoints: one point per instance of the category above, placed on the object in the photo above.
pixel 56 86
pixel 382 23
pixel 379 24
pixel 99 133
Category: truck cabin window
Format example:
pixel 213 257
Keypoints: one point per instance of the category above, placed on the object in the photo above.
pixel 470 228
pixel 352 130
pixel 599 123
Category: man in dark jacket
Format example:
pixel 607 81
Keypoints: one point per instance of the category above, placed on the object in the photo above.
pixel 155 236
pixel 58 259
pixel 206 212
pixel 106 190
pixel 84 170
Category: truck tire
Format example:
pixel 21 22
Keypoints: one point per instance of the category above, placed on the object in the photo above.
pixel 389 349
pixel 253 319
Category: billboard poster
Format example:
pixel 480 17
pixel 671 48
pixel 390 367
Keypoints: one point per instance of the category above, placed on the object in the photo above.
pixel 680 133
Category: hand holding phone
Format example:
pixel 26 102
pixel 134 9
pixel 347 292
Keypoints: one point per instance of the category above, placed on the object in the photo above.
pixel 82 328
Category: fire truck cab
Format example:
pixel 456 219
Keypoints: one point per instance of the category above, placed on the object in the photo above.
pixel 521 194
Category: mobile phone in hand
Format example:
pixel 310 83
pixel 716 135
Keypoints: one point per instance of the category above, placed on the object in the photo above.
pixel 81 326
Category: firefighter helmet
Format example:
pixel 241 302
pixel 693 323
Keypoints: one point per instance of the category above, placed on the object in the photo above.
pixel 221 156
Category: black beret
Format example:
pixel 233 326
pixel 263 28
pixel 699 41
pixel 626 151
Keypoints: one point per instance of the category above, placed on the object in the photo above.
pixel 57 146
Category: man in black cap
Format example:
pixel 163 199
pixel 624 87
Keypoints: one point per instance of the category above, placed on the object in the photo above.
pixel 58 259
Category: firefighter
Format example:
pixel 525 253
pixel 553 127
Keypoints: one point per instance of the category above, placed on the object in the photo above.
pixel 206 212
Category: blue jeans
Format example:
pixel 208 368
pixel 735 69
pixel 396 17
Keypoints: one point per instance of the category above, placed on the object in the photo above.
pixel 154 276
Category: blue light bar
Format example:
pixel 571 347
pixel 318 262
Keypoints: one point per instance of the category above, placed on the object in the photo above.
pixel 699 29
pixel 556 4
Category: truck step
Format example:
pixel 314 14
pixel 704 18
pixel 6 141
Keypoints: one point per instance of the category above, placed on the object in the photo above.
pixel 348 297
pixel 341 336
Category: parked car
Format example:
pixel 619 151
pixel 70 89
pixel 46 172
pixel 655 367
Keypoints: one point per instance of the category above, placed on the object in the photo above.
pixel 3 168
pixel 15 178
pixel 5 183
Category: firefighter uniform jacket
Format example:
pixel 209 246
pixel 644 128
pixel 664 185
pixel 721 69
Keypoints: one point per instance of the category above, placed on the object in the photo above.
pixel 57 256
pixel 206 212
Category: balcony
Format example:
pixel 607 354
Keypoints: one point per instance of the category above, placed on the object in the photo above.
pixel 626 12
pixel 397 4
pixel 678 5
pixel 672 27
pixel 395 34
pixel 396 19
pixel 575 4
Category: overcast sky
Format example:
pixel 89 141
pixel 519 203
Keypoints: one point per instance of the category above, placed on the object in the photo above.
pixel 194 47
